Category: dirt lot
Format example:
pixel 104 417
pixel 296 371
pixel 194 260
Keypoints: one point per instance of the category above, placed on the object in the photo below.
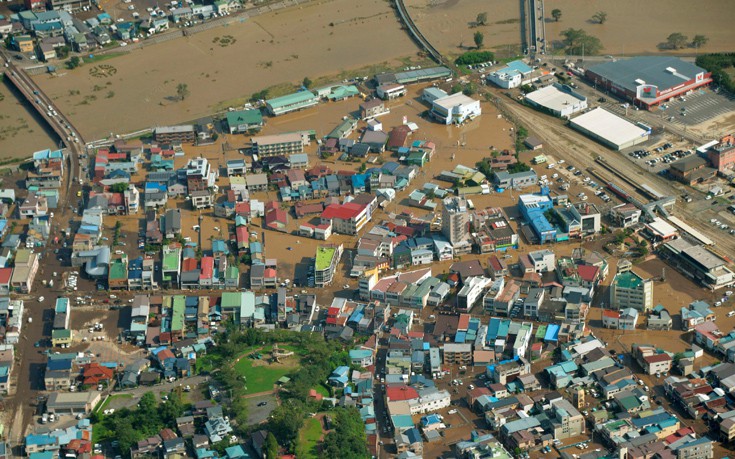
pixel 450 24
pixel 631 29
pixel 319 38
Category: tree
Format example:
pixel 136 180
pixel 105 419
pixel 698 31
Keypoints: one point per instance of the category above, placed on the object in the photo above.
pixel 306 83
pixel 481 19
pixel 600 17
pixel 578 42
pixel 556 14
pixel 73 63
pixel 677 40
pixel 271 446
pixel 119 187
pixel 699 40
pixel 348 437
pixel 479 38
pixel 182 90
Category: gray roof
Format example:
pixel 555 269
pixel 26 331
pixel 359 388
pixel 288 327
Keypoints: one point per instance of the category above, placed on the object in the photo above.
pixel 172 221
pixel 651 69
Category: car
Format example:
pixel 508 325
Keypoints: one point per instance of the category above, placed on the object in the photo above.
pixel 262 403
pixel 452 412
pixel 731 313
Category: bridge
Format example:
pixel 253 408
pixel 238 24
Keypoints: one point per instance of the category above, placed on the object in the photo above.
pixel 416 33
pixel 46 108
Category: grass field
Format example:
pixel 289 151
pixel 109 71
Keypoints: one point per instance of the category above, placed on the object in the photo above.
pixel 260 374
pixel 309 437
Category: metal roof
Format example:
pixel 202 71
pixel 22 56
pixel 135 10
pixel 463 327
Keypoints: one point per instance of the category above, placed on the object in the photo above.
pixel 651 69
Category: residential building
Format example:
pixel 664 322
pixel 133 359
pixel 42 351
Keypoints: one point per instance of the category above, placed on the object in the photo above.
pixel 455 220
pixel 455 109
pixel 291 102
pixel 279 144
pixel 348 218
pixel 173 135
pixel 244 121
pixel 629 290
pixel 325 264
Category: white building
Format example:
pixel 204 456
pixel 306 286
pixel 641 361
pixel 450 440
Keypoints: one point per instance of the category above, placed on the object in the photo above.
pixel 561 100
pixel 455 109
pixel 511 76
pixel 422 257
pixel 544 261
pixel 390 91
pixel 429 401
pixel 629 290
pixel 471 292
pixel 610 129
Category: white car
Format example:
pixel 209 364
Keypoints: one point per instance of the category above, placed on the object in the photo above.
pixel 561 161
pixel 452 412
pixel 731 313
pixel 40 299
pixel 728 293
pixel 550 166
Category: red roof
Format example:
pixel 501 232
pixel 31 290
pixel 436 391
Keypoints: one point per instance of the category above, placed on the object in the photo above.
pixel 207 268
pixel 663 357
pixel 537 346
pixel 5 274
pixel 588 273
pixel 333 311
pixel 395 393
pixel 494 263
pixel 269 273
pixel 276 216
pixel 242 208
pixel 165 354
pixel 342 211
pixel 611 313
pixel 464 322
pixel 189 264
pixel 241 232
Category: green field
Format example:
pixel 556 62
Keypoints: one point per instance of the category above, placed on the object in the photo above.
pixel 261 375
pixel 309 436
pixel 101 407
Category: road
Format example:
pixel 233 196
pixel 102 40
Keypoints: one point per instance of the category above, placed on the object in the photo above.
pixel 564 143
pixel 28 377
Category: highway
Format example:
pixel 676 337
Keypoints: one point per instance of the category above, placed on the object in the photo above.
pixel 67 133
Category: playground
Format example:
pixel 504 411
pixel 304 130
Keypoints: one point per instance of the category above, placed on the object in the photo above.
pixel 262 367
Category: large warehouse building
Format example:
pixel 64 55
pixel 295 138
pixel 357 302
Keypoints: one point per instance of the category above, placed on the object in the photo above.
pixel 560 100
pixel 648 81
pixel 609 129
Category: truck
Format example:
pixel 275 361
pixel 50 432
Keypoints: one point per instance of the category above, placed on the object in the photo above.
pixel 540 159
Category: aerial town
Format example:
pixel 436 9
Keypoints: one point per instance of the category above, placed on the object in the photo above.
pixel 466 251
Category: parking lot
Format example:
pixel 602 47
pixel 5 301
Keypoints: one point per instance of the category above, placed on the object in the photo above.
pixel 698 107
pixel 260 408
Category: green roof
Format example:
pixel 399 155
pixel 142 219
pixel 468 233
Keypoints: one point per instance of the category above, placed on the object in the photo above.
pixel 118 269
pixel 342 129
pixel 628 279
pixel 177 316
pixel 232 272
pixel 291 99
pixel 60 334
pixel 629 403
pixel 230 300
pixel 341 92
pixel 324 257
pixel 247 117
pixel 171 259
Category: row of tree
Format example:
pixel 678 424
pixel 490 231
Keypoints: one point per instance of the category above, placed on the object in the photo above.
pixel 720 65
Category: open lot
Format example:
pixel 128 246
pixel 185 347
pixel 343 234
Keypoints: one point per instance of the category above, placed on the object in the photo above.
pixel 633 29
pixel 314 39
pixel 309 437
pixel 699 107
pixel 450 24
pixel 258 414
pixel 262 373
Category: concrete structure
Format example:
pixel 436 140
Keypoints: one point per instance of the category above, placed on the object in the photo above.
pixel 347 218
pixel 609 129
pixel 722 155
pixel 648 81
pixel 176 134
pixel 325 264
pixel 455 109
pixel 390 91
pixel 698 263
pixel 629 290
pixel 560 100
pixel 279 144
pixel 455 220
pixel 72 402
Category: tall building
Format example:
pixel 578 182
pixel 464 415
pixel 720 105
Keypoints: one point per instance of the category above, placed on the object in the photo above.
pixel 455 220
pixel 629 290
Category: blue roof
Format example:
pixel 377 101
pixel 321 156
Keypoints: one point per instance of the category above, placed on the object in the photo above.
pixel 460 337
pixel 40 440
pixel 552 333
pixel 402 421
